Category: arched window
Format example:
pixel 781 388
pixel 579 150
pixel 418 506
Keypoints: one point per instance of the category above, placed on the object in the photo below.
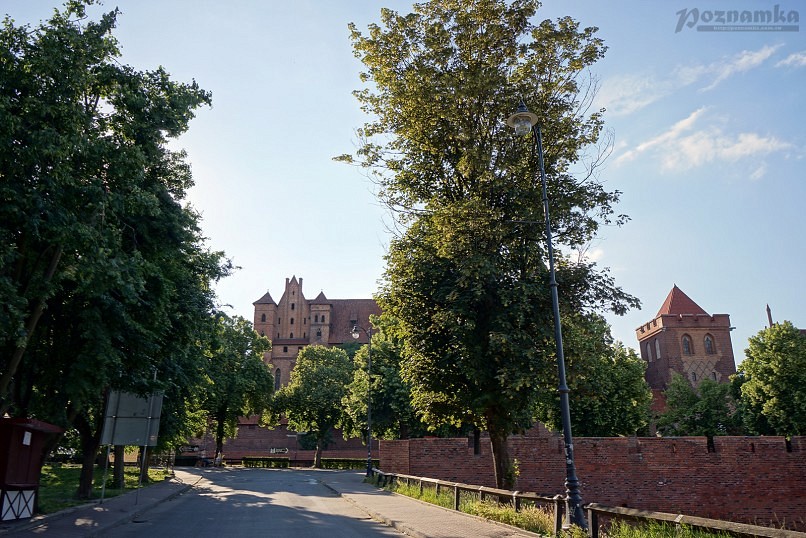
pixel 263 317
pixel 319 333
pixel 292 306
pixel 292 335
pixel 694 376
pixel 713 376
pixel 292 321
pixel 316 318
pixel 323 318
pixel 649 351
pixel 277 379
pixel 709 344
pixel 657 348
pixel 686 345
pixel 262 333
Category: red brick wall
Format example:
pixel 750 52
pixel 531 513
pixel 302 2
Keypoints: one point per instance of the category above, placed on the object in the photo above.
pixel 745 479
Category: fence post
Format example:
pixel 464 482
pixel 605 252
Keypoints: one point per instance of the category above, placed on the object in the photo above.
pixel 516 501
pixel 593 523
pixel 421 487
pixel 559 502
pixel 456 497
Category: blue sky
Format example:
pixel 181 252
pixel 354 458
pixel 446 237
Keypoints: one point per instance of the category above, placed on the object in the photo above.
pixel 707 127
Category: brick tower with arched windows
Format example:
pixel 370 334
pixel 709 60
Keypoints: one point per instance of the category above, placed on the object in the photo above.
pixel 684 338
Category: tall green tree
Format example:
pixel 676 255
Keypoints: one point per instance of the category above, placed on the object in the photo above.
pixel 239 382
pixel 708 409
pixel 609 393
pixel 467 278
pixel 105 281
pixel 773 376
pixel 392 414
pixel 312 401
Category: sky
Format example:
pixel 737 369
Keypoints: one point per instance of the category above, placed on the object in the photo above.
pixel 707 127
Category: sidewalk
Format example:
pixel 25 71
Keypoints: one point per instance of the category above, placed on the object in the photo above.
pixel 411 517
pixel 96 518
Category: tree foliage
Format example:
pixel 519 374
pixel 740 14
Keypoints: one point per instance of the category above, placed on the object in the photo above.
pixel 467 278
pixel 312 400
pixel 393 416
pixel 239 383
pixel 609 394
pixel 709 409
pixel 773 381
pixel 105 281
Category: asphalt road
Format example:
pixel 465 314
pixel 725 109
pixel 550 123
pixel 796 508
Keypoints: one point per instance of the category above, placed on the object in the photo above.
pixel 256 502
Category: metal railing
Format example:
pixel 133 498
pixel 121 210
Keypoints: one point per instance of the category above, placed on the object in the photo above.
pixel 595 512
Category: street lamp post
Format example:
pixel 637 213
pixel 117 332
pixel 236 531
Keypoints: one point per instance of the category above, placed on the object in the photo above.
pixel 524 122
pixel 356 333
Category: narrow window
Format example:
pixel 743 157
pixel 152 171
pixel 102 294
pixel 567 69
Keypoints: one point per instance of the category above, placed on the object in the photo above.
pixel 263 317
pixel 292 321
pixel 649 351
pixel 285 349
pixel 277 379
pixel 657 348
pixel 292 335
pixel 713 376
pixel 292 306
pixel 319 333
pixel 687 345
pixel 709 345
pixel 316 318
pixel 323 318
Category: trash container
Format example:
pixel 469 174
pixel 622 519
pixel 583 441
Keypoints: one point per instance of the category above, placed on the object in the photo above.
pixel 21 444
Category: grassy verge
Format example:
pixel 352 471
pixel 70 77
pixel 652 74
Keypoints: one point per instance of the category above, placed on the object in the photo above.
pixel 540 519
pixel 59 482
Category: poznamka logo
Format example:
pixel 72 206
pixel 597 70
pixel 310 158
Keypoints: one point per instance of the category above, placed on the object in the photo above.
pixel 727 20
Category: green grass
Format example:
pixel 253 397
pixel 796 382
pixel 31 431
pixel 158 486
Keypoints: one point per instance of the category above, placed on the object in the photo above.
pixel 621 529
pixel 58 485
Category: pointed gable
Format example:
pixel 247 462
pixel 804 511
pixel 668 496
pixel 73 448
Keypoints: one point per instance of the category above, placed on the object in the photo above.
pixel 266 299
pixel 320 299
pixel 678 303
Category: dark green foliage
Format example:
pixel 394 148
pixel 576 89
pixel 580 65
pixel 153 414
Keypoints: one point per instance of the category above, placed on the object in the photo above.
pixel 312 401
pixel 105 282
pixel 609 395
pixel 709 409
pixel 773 381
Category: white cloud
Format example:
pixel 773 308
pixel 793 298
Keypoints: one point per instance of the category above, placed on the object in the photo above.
pixel 796 59
pixel 681 147
pixel 625 94
pixel 744 61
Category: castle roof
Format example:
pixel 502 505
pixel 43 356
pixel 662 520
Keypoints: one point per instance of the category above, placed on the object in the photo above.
pixel 350 312
pixel 678 303
pixel 320 299
pixel 266 299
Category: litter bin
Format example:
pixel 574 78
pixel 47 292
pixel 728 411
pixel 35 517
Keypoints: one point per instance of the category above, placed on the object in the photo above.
pixel 21 443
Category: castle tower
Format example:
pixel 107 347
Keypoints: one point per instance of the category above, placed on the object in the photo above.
pixel 321 316
pixel 684 338
pixel 295 322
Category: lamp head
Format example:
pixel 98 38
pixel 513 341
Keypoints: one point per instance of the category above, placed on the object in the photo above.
pixel 522 120
pixel 355 332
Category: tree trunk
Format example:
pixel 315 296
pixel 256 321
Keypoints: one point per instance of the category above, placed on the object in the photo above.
pixel 317 455
pixel 89 450
pixel 117 471
pixel 219 440
pixel 30 325
pixel 504 473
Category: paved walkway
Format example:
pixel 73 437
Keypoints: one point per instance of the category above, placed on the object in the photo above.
pixel 409 516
